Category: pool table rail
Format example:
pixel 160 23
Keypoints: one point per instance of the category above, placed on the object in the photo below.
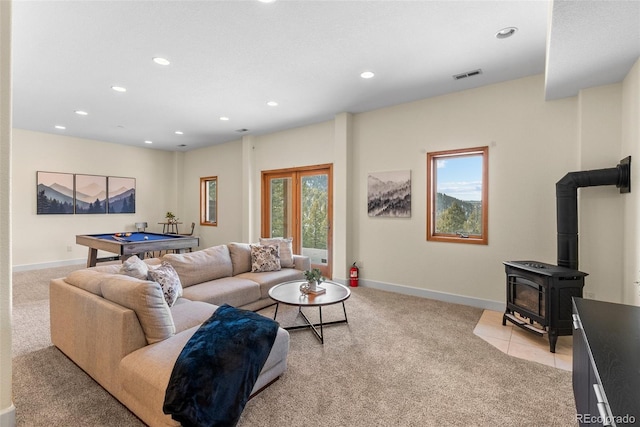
pixel 125 249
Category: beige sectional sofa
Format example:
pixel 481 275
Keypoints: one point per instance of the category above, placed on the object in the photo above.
pixel 122 332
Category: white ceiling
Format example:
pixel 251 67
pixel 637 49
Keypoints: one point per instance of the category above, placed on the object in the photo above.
pixel 228 58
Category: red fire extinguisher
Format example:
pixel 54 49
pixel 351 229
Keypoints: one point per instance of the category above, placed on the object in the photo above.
pixel 353 275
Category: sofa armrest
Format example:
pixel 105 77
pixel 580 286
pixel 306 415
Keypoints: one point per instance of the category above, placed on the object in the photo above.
pixel 301 262
pixel 93 332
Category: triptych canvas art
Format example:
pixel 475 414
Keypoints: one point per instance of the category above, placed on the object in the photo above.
pixel 68 193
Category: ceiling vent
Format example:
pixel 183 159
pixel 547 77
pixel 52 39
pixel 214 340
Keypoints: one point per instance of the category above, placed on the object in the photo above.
pixel 467 74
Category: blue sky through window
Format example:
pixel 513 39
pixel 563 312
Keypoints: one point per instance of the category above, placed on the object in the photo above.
pixel 460 177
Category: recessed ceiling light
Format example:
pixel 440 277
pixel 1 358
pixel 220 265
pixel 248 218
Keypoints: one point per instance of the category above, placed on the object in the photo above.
pixel 272 104
pixel 224 119
pixel 148 142
pixel 506 32
pixel 81 113
pixel 161 61
pixel 119 88
pixel 60 127
pixel 179 132
pixel 266 1
pixel 367 74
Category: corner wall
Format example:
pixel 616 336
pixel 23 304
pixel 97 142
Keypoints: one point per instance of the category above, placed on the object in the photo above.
pixel 532 144
pixel 631 146
pixel 46 239
pixel 601 209
pixel 7 410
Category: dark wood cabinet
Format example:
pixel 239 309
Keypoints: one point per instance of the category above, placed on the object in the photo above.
pixel 606 363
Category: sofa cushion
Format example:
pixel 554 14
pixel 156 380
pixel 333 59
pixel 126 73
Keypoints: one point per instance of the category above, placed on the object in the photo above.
pixel 167 277
pixel 264 258
pixel 229 290
pixel 135 267
pixel 187 314
pixel 145 372
pixel 240 257
pixel 201 266
pixel 107 268
pixel 269 279
pixel 87 279
pixel 146 299
pixel 285 249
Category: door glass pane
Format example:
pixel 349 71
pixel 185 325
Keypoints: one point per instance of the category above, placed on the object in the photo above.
pixel 281 207
pixel 315 225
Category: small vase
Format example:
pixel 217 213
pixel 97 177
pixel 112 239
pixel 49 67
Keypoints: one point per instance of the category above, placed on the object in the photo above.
pixel 313 285
pixel 304 288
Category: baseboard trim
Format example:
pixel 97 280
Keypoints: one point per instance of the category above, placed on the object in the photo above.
pixel 383 286
pixel 436 295
pixel 8 417
pixel 41 266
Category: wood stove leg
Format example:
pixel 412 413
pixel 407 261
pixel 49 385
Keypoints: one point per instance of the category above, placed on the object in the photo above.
pixel 504 317
pixel 553 339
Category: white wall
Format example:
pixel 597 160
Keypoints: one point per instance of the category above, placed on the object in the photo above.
pixel 46 238
pixel 225 162
pixel 631 145
pixel 309 145
pixel 601 209
pixel 532 144
pixel 7 410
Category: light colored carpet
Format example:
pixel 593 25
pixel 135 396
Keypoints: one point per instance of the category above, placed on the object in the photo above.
pixel 400 361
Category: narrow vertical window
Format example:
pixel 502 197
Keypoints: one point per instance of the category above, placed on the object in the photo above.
pixel 209 200
pixel 457 199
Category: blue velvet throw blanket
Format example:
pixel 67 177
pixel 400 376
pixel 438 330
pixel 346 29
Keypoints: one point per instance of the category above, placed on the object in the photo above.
pixel 214 374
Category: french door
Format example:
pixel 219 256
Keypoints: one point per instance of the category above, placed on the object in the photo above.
pixel 298 203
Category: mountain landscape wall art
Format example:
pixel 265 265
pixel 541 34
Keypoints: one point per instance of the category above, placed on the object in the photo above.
pixel 122 195
pixel 91 194
pixel 68 193
pixel 54 193
pixel 389 194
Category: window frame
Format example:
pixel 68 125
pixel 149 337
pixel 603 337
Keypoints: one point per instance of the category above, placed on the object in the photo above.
pixel 432 158
pixel 204 199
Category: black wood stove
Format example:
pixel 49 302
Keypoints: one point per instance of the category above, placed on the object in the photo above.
pixel 541 293
pixel 538 294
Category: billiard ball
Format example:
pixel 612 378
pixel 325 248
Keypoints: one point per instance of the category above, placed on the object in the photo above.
pixel 146 237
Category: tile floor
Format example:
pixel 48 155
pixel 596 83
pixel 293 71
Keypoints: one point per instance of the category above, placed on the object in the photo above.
pixel 517 342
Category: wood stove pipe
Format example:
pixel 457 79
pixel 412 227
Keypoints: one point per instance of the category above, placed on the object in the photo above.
pixel 567 204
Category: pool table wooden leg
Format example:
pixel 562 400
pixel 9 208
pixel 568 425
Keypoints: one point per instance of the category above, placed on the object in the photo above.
pixel 92 259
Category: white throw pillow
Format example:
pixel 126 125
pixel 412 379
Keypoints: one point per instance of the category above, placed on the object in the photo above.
pixel 135 267
pixel 285 245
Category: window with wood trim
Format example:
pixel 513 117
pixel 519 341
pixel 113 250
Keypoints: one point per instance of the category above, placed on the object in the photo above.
pixel 457 199
pixel 209 201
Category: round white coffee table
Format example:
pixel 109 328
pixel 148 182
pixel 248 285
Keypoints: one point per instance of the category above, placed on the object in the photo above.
pixel 289 293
